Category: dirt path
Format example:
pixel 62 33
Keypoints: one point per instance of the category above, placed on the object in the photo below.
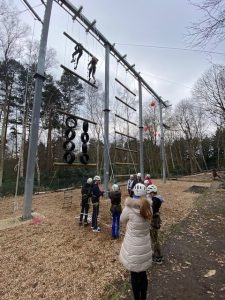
pixel 194 255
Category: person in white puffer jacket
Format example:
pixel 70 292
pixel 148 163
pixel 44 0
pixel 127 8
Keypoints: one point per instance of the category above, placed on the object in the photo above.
pixel 136 253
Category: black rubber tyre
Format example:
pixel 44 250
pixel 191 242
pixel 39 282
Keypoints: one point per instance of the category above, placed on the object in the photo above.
pixel 84 158
pixel 84 137
pixel 69 157
pixel 68 146
pixel 85 126
pixel 71 122
pixel 70 134
pixel 84 148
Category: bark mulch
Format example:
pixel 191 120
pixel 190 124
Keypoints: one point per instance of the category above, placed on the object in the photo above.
pixel 194 255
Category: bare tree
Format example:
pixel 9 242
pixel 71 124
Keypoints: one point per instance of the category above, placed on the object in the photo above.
pixel 209 92
pixel 12 34
pixel 212 24
pixel 191 121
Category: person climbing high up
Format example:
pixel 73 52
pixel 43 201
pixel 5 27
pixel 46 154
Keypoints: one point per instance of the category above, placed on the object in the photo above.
pixel 92 68
pixel 78 50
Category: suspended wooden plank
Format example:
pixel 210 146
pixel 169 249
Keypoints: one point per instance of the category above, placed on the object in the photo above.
pixel 125 135
pixel 75 74
pixel 129 163
pixel 117 98
pixel 125 120
pixel 122 175
pixel 117 80
pixel 79 118
pixel 61 164
pixel 125 149
pixel 73 40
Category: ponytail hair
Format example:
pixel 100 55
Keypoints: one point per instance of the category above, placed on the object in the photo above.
pixel 145 209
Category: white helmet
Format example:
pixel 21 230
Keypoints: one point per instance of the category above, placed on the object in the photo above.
pixel 148 176
pixel 131 176
pixel 151 188
pixel 97 178
pixel 139 189
pixel 146 182
pixel 115 187
pixel 89 180
pixel 138 174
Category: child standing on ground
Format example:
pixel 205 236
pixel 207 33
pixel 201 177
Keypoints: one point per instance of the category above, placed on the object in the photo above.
pixel 96 194
pixel 115 197
pixel 157 201
pixel 86 192
pixel 129 184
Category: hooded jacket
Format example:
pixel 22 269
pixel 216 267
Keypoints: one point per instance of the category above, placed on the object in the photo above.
pixel 135 253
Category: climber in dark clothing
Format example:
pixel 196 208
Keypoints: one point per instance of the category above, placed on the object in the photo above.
pixel 86 192
pixel 78 50
pixel 92 69
pixel 116 209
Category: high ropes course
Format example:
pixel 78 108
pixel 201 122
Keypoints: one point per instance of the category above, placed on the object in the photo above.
pixel 130 162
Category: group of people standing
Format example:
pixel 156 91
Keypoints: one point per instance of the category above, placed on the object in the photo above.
pixel 141 213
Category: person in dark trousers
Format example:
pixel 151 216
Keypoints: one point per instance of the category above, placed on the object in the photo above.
pixel 135 252
pixel 92 68
pixel 157 201
pixel 96 194
pixel 129 184
pixel 86 192
pixel 116 209
pixel 78 50
pixel 136 180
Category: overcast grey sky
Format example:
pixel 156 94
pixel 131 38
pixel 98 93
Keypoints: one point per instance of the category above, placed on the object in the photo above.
pixel 160 23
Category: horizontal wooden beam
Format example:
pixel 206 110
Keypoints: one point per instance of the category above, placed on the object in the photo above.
pixel 117 98
pixel 59 164
pixel 79 118
pixel 75 74
pixel 129 163
pixel 73 40
pixel 117 80
pixel 125 120
pixel 125 135
pixel 122 175
pixel 125 149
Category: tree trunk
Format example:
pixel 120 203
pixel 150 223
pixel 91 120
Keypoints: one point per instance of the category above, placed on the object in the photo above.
pixel 3 136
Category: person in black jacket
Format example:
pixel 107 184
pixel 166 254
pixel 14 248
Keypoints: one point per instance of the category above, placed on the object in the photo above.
pixel 157 201
pixel 78 50
pixel 86 192
pixel 96 194
pixel 115 197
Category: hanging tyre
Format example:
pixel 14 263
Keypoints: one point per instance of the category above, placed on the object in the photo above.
pixel 85 126
pixel 84 137
pixel 84 158
pixel 70 134
pixel 71 122
pixel 68 146
pixel 69 157
pixel 84 148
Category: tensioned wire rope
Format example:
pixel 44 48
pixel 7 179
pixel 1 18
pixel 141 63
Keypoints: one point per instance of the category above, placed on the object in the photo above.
pixel 128 128
pixel 129 143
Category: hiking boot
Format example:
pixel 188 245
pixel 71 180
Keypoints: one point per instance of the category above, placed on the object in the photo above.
pixel 86 223
pixel 80 223
pixel 97 229
pixel 158 260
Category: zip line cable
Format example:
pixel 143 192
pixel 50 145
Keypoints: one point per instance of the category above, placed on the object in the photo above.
pixel 171 48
